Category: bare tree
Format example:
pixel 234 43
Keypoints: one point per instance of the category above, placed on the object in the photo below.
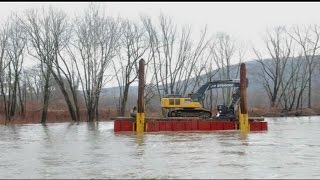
pixel 63 70
pixel 279 47
pixel 194 65
pixel 308 38
pixel 154 43
pixel 223 50
pixel 96 41
pixel 15 51
pixel 150 92
pixel 210 72
pixel 176 61
pixel 4 34
pixel 295 76
pixel 134 45
pixel 301 81
pixel 33 80
pixel 49 35
pixel 42 47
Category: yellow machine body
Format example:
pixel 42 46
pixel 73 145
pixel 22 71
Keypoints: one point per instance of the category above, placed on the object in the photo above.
pixel 184 107
pixel 179 103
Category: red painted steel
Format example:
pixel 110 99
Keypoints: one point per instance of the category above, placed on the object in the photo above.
pixel 117 125
pixel 194 125
pixel 187 125
pixel 228 125
pixel 156 125
pixel 216 125
pixel 255 126
pixel 168 125
pixel 152 126
pixel 126 125
pixel 204 125
pixel 264 125
pixel 178 126
pixel 149 126
pixel 162 126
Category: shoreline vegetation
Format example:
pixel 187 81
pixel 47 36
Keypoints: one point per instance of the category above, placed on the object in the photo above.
pixel 62 116
pixel 61 65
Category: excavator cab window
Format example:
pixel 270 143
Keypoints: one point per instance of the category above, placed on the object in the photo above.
pixel 171 101
pixel 177 101
pixel 174 101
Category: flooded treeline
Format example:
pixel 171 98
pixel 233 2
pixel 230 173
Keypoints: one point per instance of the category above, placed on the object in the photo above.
pixel 74 58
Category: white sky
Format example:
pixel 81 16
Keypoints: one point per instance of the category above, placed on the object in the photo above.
pixel 245 21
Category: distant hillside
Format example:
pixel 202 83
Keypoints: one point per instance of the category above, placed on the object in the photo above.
pixel 256 93
pixel 114 91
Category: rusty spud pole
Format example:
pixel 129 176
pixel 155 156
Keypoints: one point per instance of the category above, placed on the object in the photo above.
pixel 140 114
pixel 243 89
pixel 243 115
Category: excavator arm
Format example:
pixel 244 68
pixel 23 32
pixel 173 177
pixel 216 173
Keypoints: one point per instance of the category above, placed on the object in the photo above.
pixel 199 95
pixel 192 107
pixel 223 110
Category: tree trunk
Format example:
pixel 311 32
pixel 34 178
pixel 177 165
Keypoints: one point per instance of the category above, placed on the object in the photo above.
pixel 4 98
pixel 66 97
pixel 22 98
pixel 124 100
pixel 13 100
pixel 97 110
pixel 45 102
pixel 75 98
pixel 299 100
pixel 309 88
pixel 273 103
pixel 90 111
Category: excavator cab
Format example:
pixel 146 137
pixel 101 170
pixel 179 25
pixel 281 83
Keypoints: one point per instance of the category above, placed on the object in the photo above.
pixel 224 111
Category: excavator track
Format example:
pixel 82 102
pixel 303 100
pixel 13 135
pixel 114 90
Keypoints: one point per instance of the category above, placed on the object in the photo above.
pixel 202 113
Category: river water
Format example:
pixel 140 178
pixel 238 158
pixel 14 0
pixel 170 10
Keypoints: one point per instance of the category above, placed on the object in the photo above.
pixel 289 149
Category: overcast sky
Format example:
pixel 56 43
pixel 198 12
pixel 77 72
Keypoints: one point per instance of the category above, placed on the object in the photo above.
pixel 245 21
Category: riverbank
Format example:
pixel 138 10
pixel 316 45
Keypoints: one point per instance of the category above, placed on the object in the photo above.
pixel 260 112
pixel 54 116
pixel 61 116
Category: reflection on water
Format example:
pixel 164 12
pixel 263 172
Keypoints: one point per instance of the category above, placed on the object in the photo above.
pixel 289 149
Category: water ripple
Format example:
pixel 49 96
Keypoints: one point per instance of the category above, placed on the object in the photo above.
pixel 289 149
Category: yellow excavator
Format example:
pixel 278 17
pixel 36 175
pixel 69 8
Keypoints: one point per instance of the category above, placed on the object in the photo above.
pixel 191 106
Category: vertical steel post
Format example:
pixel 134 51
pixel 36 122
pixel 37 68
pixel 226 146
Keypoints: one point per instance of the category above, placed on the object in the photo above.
pixel 140 114
pixel 243 115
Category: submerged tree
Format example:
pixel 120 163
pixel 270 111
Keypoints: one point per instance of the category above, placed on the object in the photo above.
pixel 4 34
pixel 97 40
pixel 49 34
pixel 15 51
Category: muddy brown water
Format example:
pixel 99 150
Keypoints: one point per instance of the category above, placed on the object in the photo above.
pixel 289 149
